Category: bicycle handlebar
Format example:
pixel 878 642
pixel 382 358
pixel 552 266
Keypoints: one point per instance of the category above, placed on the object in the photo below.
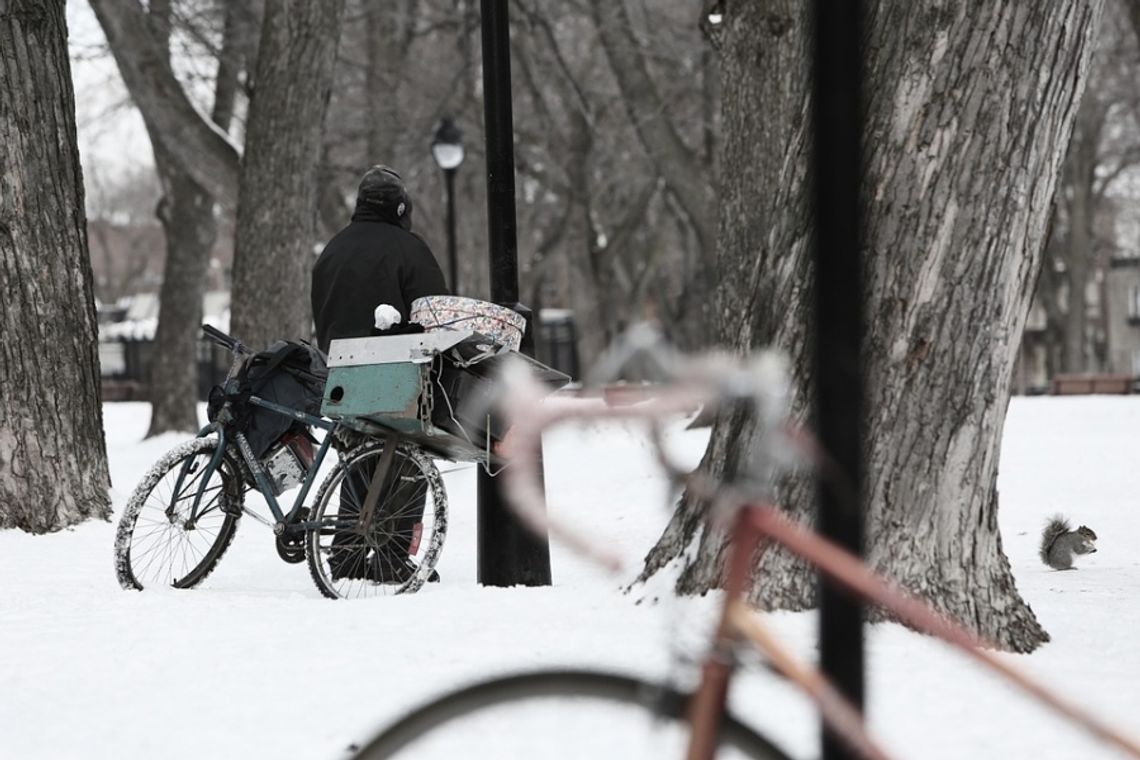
pixel 227 342
pixel 710 379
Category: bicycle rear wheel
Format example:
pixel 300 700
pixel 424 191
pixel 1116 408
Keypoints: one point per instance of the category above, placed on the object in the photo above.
pixel 397 551
pixel 557 714
pixel 157 543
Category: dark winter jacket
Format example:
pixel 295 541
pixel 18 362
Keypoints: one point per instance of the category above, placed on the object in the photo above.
pixel 370 262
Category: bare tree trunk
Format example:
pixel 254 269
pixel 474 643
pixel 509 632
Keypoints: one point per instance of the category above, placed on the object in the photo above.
pixel 1079 175
pixel 273 250
pixel 53 459
pixel 187 215
pixel 1077 274
pixel 762 250
pixel 965 137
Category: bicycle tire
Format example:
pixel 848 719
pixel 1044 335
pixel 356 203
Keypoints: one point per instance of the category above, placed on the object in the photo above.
pixel 412 470
pixel 175 564
pixel 659 701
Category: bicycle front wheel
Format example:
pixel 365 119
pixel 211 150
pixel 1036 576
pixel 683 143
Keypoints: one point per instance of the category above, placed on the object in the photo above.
pixel 558 714
pixel 163 539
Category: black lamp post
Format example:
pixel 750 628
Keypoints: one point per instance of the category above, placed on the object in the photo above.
pixel 508 553
pixel 837 170
pixel 447 150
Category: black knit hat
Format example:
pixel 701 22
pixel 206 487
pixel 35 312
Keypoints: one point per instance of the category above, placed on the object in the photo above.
pixel 382 191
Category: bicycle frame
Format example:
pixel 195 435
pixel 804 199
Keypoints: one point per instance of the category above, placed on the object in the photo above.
pixel 739 621
pixel 752 528
pixel 284 521
pixel 757 524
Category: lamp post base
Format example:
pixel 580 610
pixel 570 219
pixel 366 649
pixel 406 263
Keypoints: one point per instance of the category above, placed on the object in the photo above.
pixel 508 553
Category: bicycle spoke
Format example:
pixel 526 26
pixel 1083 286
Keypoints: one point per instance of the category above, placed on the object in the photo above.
pixel 161 545
pixel 400 538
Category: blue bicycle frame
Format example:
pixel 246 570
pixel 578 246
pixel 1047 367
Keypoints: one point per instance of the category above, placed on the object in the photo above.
pixel 284 522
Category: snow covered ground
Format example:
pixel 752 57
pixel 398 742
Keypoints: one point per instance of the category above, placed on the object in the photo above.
pixel 257 664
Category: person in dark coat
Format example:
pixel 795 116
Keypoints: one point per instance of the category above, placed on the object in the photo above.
pixel 375 260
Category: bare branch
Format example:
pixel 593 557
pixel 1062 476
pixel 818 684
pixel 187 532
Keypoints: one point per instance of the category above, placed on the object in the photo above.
pixel 680 167
pixel 172 120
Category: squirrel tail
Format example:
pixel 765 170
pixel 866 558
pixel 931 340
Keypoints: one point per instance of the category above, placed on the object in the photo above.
pixel 1054 529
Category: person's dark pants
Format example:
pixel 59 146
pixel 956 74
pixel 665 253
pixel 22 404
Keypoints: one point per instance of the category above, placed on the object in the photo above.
pixel 380 553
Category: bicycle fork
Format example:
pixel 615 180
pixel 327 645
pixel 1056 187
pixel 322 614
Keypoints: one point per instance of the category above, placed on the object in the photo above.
pixel 191 467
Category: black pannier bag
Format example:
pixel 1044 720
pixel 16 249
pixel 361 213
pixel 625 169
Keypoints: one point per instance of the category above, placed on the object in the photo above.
pixel 289 373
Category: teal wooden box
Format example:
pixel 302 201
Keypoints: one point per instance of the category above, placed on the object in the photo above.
pixel 416 385
pixel 388 394
pixel 385 383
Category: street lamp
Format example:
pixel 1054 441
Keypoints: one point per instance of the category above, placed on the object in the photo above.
pixel 508 554
pixel 447 150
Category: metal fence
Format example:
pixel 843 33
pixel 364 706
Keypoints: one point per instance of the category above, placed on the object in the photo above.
pixel 125 368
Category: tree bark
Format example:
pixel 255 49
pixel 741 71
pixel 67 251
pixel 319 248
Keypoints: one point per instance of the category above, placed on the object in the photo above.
pixel 276 217
pixel 969 109
pixel 53 459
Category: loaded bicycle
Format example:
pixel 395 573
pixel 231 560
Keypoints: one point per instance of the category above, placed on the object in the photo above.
pixel 387 406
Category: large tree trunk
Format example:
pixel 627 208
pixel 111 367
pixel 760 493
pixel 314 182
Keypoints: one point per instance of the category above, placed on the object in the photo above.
pixel 276 219
pixel 53 460
pixel 970 108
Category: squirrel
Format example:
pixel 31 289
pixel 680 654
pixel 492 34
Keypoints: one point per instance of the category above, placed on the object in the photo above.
pixel 1059 543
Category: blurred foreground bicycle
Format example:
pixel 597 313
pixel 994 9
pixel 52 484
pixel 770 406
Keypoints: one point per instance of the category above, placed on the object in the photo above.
pixel 628 717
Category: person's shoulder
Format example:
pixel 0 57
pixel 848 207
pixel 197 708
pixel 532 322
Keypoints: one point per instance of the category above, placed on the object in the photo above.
pixel 410 242
pixel 419 240
pixel 342 237
pixel 335 245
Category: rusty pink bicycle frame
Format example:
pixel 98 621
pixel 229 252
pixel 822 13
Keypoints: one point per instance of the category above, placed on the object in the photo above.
pixel 752 527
